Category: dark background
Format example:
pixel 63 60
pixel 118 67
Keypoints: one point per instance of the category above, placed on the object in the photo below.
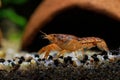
pixel 76 21
pixel 83 23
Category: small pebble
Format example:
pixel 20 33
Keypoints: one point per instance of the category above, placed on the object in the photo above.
pixel 50 57
pixel 2 60
pixel 24 66
pixel 22 58
pixel 13 64
pixel 36 55
pixel 105 57
pixel 95 57
pixel 84 59
pixel 39 59
pixel 20 61
pixel 56 62
pixel 68 60
pixel 9 61
pixel 29 59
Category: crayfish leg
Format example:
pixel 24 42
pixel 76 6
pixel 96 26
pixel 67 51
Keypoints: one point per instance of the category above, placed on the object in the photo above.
pixel 102 46
pixel 61 53
pixel 47 49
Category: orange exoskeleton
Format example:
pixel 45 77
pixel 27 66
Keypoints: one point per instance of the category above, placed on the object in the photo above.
pixel 66 42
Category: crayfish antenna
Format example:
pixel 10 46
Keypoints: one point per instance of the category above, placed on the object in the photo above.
pixel 44 34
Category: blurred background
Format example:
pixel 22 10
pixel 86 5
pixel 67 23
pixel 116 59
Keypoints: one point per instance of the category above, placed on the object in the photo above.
pixel 14 15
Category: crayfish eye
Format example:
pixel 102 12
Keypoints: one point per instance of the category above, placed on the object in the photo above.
pixel 54 35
